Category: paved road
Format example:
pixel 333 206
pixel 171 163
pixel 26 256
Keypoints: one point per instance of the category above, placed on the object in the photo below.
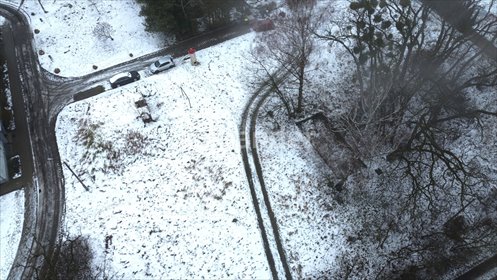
pixel 45 196
pixel 455 13
pixel 18 139
pixel 481 270
pixel 45 95
pixel 63 89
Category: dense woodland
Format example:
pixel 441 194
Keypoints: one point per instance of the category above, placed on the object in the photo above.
pixel 418 86
pixel 185 18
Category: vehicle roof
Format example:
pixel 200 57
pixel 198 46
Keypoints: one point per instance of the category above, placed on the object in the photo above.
pixel 118 76
pixel 165 58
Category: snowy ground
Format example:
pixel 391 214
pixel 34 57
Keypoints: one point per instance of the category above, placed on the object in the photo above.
pixel 311 230
pixel 170 198
pixel 64 35
pixel 11 217
pixel 74 53
pixel 173 194
pixel 174 198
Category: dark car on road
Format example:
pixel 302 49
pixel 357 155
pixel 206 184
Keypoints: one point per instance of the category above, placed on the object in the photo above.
pixel 124 79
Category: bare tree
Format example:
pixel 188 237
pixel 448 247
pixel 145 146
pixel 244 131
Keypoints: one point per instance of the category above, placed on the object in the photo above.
pixel 289 47
pixel 399 64
pixel 416 75
pixel 103 31
pixel 73 259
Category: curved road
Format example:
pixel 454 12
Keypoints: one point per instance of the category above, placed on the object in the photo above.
pixel 45 194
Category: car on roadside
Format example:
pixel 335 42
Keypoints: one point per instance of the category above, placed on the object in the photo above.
pixel 124 79
pixel 162 64
pixel 15 167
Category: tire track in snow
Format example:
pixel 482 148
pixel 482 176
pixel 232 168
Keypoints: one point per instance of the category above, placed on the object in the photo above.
pixel 269 231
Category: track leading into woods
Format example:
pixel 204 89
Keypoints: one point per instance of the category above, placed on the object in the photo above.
pixel 265 216
pixel 456 13
pixel 266 219
pixel 46 94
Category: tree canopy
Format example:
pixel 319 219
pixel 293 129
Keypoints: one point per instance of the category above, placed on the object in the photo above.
pixel 186 17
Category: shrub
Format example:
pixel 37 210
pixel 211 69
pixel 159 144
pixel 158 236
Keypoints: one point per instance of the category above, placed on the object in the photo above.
pixel 135 142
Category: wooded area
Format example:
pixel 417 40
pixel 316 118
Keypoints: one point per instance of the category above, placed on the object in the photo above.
pixel 185 18
pixel 415 90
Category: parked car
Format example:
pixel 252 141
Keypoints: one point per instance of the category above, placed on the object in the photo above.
pixel 262 25
pixel 162 64
pixel 15 167
pixel 124 79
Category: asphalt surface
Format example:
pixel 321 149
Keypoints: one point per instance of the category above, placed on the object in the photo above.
pixel 457 15
pixel 45 194
pixel 63 89
pixel 480 270
pixel 18 139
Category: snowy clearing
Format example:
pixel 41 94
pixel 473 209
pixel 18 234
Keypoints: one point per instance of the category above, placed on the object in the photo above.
pixel 64 34
pixel 11 218
pixel 172 193
pixel 309 223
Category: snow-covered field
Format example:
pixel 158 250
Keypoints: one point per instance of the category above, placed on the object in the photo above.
pixel 170 198
pixel 311 230
pixel 11 218
pixel 171 193
pixel 64 37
